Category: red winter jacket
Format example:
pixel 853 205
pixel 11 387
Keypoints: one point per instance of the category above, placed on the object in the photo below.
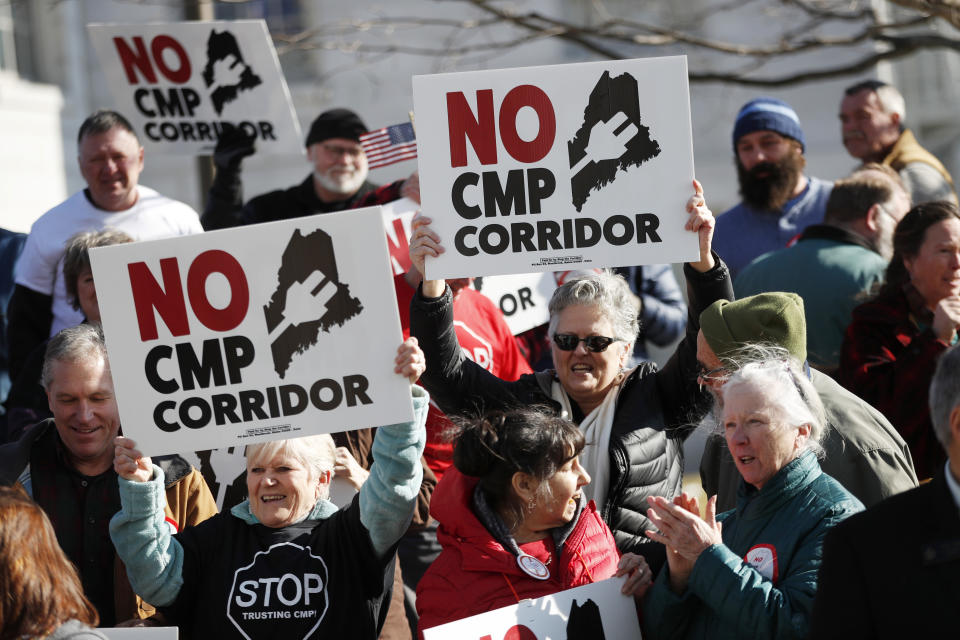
pixel 475 574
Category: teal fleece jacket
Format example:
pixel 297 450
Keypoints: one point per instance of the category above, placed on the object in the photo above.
pixel 154 559
pixel 727 597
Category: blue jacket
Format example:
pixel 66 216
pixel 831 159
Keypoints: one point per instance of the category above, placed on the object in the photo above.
pixel 727 597
pixel 663 312
pixel 743 233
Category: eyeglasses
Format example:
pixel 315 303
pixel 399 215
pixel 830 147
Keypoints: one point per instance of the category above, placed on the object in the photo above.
pixel 336 151
pixel 569 342
pixel 711 375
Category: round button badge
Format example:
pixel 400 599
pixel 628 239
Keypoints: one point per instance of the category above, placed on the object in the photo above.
pixel 533 567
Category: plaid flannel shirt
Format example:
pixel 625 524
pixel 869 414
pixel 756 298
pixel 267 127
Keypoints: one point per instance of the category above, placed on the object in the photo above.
pixel 888 358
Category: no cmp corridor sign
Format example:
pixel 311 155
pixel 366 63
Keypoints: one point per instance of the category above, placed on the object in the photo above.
pixel 557 167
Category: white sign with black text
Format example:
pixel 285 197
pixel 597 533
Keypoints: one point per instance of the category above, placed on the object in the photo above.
pixel 183 85
pixel 522 298
pixel 595 610
pixel 257 333
pixel 557 167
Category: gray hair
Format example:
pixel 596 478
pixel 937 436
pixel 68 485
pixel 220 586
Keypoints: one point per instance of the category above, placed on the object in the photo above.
pixel 945 394
pixel 609 292
pixel 781 378
pixel 76 257
pixel 892 101
pixel 316 453
pixel 889 97
pixel 73 344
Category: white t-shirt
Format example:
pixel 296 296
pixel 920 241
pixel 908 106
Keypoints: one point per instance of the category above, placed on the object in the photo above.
pixel 40 266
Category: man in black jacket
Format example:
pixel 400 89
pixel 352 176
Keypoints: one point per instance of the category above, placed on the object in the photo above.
pixel 905 584
pixel 338 181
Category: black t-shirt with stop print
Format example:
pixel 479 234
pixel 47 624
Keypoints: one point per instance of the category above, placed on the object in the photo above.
pixel 313 579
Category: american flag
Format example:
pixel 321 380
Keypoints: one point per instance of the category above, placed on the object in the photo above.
pixel 389 144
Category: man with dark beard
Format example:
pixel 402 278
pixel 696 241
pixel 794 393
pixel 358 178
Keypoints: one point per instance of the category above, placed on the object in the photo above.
pixel 338 181
pixel 779 201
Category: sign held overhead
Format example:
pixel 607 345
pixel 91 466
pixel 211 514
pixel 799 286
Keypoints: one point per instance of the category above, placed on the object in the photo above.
pixel 250 334
pixel 547 168
pixel 185 84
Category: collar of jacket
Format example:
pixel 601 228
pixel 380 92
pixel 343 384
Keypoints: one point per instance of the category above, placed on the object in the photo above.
pixel 835 234
pixel 460 527
pixel 321 511
pixel 907 150
pixel 782 487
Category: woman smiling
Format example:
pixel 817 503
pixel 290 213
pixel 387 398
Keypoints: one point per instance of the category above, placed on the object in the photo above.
pixel 634 420
pixel 286 562
pixel 891 347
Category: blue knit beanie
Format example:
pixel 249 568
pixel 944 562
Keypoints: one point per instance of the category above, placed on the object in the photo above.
pixel 768 114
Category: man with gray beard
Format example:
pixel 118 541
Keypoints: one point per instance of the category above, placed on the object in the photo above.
pixel 833 266
pixel 338 181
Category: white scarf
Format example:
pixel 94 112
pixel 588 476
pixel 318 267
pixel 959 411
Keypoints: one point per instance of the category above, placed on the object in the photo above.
pixel 596 428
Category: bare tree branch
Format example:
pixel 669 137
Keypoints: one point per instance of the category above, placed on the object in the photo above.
pixel 851 30
pixel 948 10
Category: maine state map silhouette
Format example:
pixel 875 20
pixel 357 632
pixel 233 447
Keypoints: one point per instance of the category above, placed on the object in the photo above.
pixel 302 256
pixel 609 96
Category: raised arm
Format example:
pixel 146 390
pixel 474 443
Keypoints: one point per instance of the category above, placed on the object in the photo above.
pixel 457 384
pixel 225 199
pixel 154 560
pixel 707 280
pixel 389 495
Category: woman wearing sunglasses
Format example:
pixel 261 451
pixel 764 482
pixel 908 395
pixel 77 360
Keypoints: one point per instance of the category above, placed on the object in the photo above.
pixel 634 420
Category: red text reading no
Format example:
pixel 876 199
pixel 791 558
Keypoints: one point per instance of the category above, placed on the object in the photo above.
pixel 481 130
pixel 135 58
pixel 169 302
pixel 516 632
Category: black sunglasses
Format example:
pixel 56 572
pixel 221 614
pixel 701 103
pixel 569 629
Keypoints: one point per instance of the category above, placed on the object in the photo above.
pixel 569 342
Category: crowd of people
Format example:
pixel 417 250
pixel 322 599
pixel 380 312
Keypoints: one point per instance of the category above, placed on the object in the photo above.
pixel 817 350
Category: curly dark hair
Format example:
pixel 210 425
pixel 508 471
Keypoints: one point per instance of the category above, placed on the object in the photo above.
pixel 501 443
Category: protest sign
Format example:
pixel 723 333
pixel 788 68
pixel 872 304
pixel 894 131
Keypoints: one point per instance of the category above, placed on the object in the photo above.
pixel 257 333
pixel 397 218
pixel 595 610
pixel 522 298
pixel 185 84
pixel 225 472
pixel 557 167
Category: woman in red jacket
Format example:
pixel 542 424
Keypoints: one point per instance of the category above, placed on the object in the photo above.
pixel 514 523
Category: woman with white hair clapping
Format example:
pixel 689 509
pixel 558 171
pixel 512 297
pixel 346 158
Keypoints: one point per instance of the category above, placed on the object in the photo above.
pixel 752 572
